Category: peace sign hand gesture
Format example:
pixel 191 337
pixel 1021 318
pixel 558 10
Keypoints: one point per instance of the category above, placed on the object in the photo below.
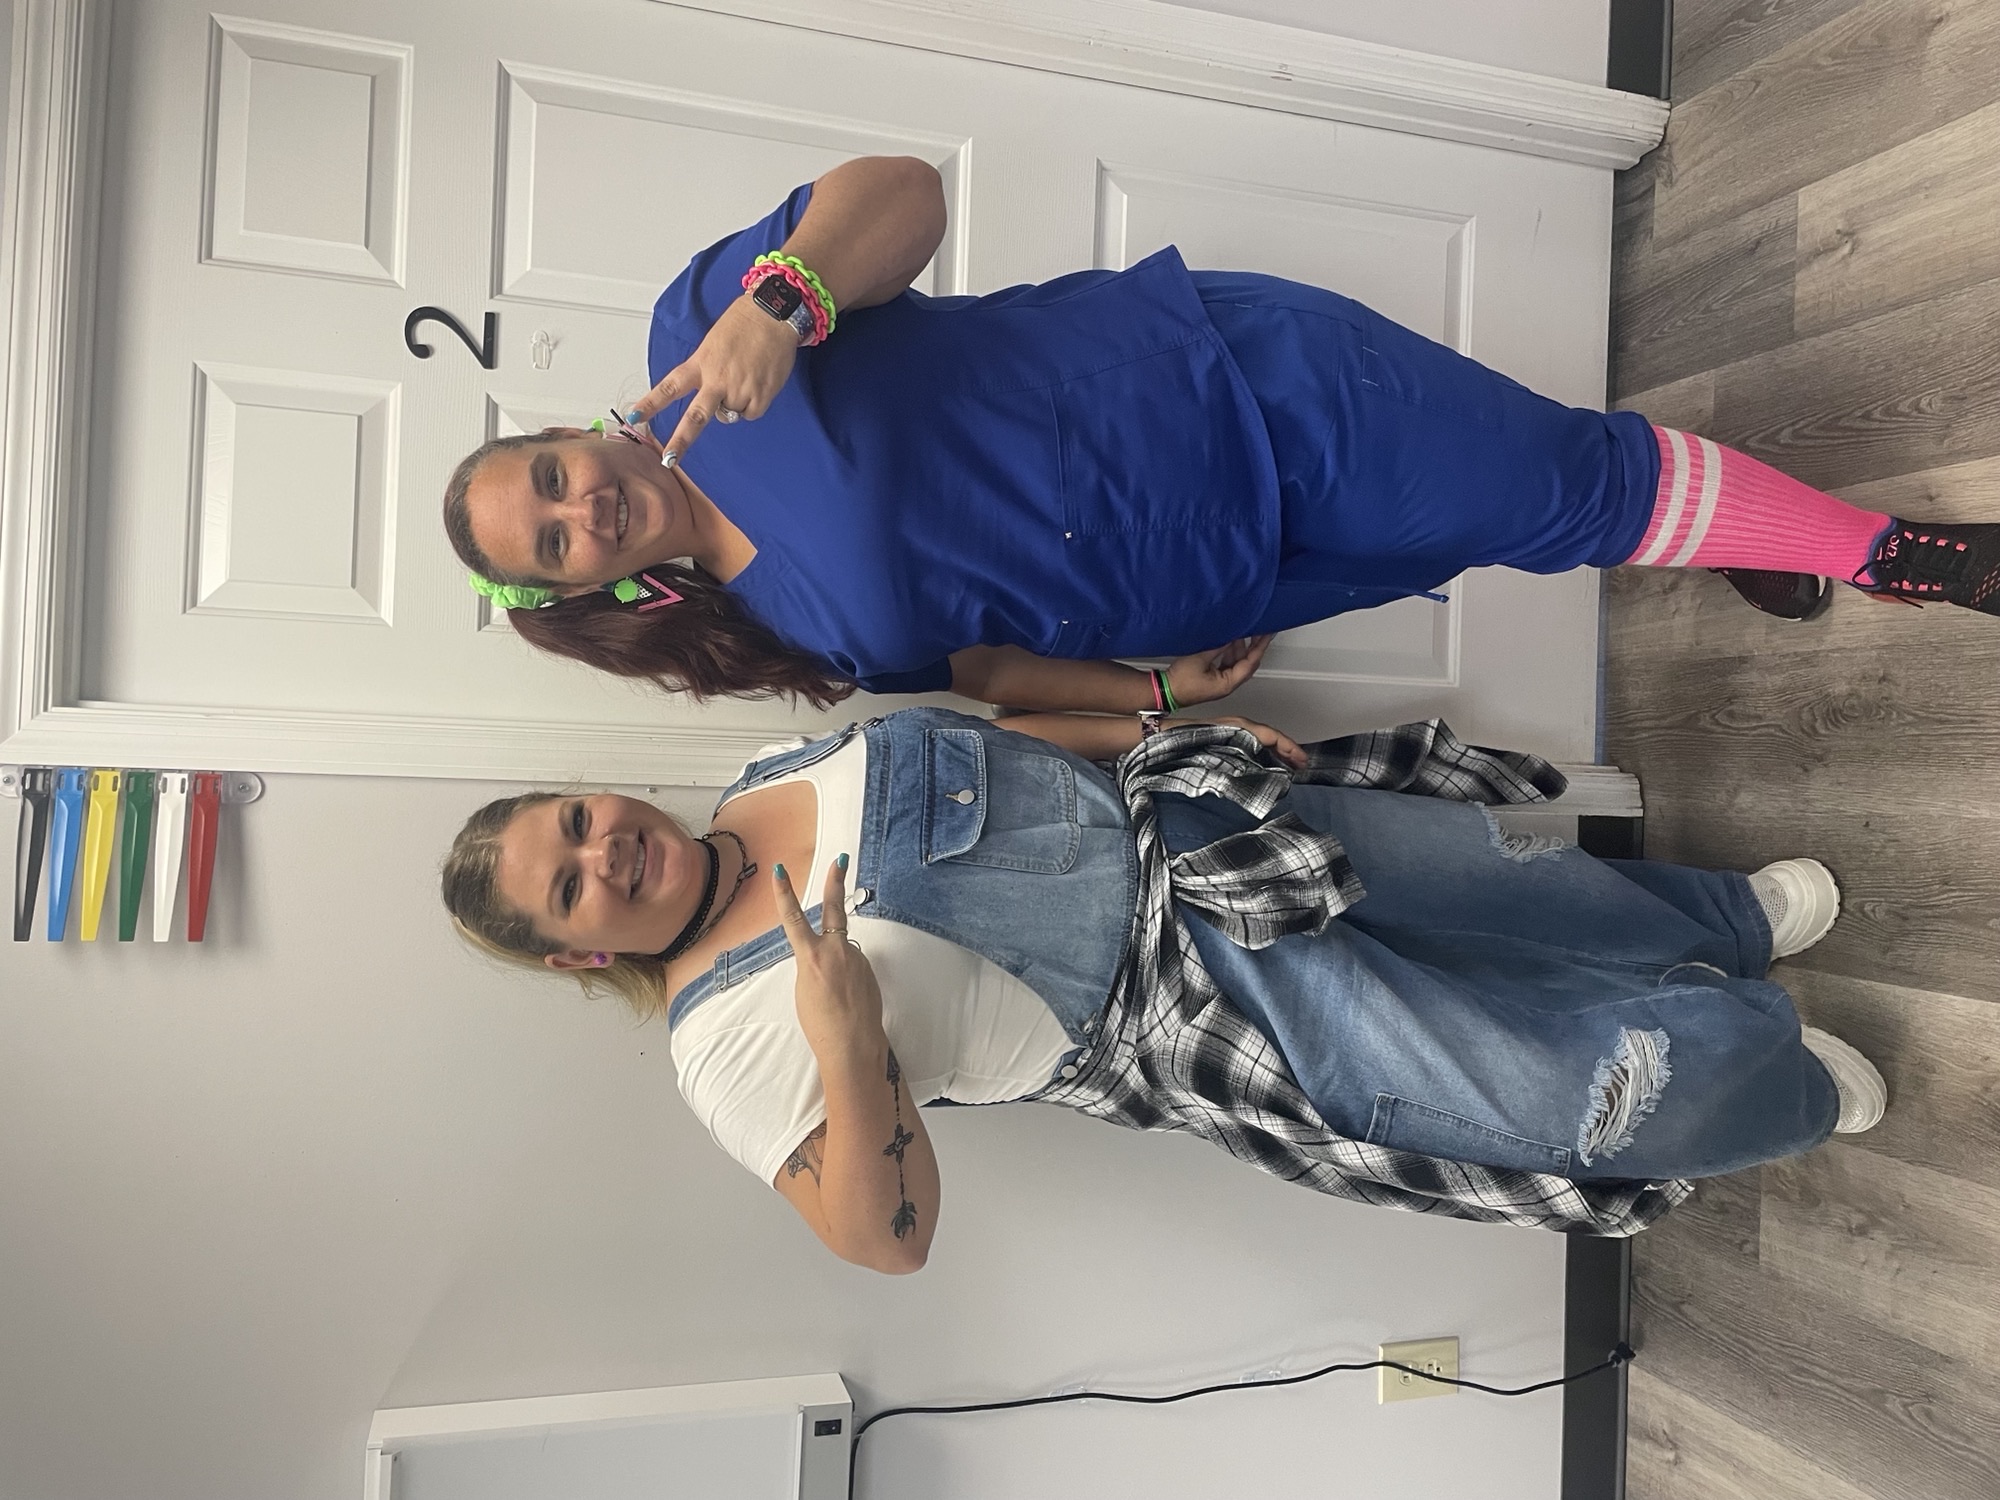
pixel 839 1002
pixel 736 371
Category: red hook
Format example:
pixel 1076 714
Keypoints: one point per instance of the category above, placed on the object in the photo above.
pixel 204 823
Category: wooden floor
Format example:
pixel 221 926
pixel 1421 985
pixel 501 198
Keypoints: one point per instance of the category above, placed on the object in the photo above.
pixel 1809 269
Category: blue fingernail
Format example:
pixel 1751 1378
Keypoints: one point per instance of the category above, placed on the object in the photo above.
pixel 779 871
pixel 632 416
pixel 669 459
pixel 842 862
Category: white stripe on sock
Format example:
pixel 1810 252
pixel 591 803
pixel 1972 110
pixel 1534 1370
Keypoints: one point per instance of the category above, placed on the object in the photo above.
pixel 1676 499
pixel 1711 490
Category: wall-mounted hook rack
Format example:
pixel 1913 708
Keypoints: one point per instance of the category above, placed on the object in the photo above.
pixel 69 814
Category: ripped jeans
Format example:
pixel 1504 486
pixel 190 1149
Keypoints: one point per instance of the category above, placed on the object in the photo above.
pixel 1518 1003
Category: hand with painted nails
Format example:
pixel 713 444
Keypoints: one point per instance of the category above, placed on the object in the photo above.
pixel 735 372
pixel 839 1003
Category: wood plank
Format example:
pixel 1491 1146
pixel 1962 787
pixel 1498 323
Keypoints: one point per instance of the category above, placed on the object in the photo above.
pixel 1940 1055
pixel 1660 616
pixel 1870 759
pixel 1911 1249
pixel 1715 38
pixel 1903 225
pixel 1880 74
pixel 1703 300
pixel 1681 1448
pixel 1956 492
pixel 1893 1418
pixel 1903 921
pixel 1828 727
pixel 1688 404
pixel 1915 388
pixel 1725 1217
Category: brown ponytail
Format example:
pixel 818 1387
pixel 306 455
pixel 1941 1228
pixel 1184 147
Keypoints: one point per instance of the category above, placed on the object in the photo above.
pixel 707 646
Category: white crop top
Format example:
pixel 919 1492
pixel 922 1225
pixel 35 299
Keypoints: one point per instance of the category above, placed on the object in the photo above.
pixel 962 1027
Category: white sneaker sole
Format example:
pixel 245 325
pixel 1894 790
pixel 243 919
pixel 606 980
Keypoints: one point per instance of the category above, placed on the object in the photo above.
pixel 1812 904
pixel 1864 1095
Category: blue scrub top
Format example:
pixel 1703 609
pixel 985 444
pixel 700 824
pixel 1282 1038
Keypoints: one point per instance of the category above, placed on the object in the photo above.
pixel 1076 468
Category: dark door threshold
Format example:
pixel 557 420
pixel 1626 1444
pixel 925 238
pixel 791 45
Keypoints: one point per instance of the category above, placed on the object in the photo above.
pixel 1596 1312
pixel 1640 59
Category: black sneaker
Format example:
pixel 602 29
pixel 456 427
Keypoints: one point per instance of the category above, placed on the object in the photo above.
pixel 1789 596
pixel 1954 564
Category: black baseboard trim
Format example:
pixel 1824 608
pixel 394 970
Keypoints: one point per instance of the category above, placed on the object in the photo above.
pixel 1596 1319
pixel 1597 1295
pixel 1640 59
pixel 1612 838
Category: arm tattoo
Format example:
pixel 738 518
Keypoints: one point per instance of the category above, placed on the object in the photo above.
pixel 807 1157
pixel 905 1218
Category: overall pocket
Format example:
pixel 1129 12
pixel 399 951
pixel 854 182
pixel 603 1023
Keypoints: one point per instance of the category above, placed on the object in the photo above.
pixel 985 804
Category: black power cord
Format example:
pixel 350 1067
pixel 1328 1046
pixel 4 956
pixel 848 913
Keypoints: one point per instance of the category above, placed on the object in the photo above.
pixel 1622 1353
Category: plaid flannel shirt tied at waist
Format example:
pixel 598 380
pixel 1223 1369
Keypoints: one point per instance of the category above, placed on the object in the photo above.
pixel 1174 1054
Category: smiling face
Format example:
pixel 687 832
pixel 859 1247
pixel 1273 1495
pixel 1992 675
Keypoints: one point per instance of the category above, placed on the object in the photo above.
pixel 600 874
pixel 580 511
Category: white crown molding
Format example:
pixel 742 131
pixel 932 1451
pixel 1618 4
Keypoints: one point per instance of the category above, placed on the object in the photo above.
pixel 1148 44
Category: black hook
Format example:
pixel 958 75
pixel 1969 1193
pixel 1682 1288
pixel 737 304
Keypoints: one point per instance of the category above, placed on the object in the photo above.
pixel 37 782
pixel 487 353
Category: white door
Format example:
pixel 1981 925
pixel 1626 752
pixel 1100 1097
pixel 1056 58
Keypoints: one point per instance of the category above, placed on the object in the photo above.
pixel 288 182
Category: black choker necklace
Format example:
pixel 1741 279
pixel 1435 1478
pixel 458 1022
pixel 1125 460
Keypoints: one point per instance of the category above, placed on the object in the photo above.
pixel 700 920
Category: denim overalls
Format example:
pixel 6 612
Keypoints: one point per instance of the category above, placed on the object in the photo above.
pixel 1472 1005
pixel 998 842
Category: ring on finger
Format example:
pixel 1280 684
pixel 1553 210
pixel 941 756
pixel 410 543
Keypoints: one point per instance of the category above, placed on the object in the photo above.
pixel 727 414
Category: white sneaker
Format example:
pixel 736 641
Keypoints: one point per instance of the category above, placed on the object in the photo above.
pixel 1863 1095
pixel 1800 899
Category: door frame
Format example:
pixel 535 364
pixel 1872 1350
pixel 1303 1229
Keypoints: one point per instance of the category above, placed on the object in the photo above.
pixel 58 98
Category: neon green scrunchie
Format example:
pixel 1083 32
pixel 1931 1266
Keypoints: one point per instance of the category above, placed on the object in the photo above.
pixel 513 595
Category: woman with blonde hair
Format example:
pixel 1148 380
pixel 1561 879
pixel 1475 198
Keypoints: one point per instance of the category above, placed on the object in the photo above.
pixel 1322 959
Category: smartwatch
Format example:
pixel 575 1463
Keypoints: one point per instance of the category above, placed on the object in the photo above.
pixel 785 302
pixel 1151 722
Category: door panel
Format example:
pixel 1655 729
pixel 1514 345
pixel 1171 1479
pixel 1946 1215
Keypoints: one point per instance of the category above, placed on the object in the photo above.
pixel 574 233
pixel 309 164
pixel 264 531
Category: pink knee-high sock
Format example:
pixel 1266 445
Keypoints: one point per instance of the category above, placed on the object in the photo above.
pixel 1717 508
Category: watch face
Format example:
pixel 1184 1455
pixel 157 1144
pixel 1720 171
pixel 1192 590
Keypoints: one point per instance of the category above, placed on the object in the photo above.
pixel 777 296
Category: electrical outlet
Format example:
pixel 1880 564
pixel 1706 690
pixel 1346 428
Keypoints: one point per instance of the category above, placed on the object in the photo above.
pixel 1433 1356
